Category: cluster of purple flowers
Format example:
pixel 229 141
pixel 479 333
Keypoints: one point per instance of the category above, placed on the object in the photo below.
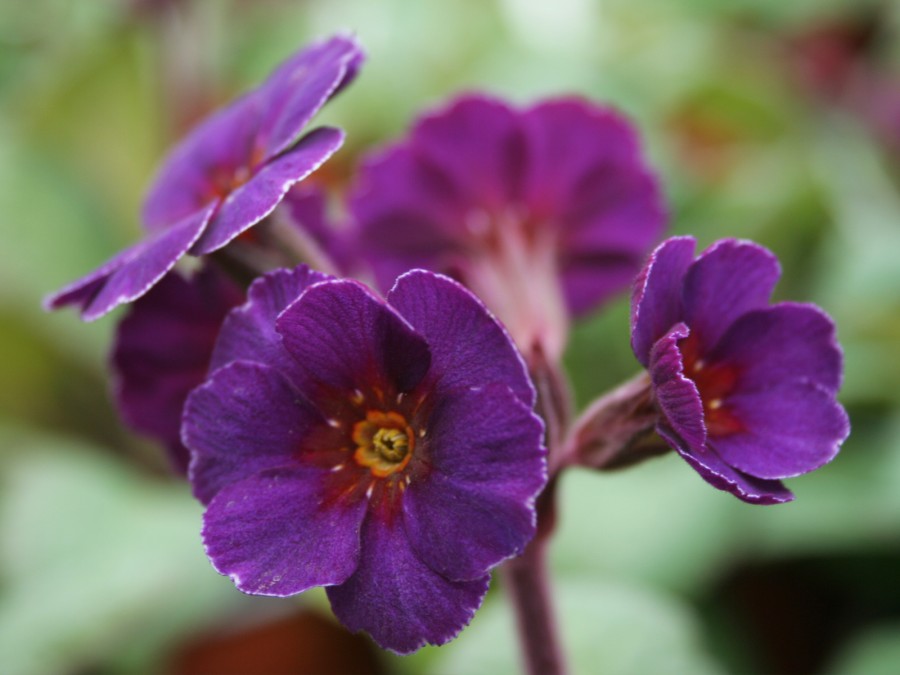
pixel 387 446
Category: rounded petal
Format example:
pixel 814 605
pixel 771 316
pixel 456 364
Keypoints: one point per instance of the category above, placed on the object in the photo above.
pixel 567 140
pixel 396 598
pixel 301 85
pixel 789 429
pixel 273 534
pixel 468 346
pixel 656 298
pixel 344 338
pixel 586 178
pixel 720 475
pixel 727 280
pixel 258 197
pixel 162 350
pixel 407 214
pixel 782 343
pixel 248 332
pixel 676 395
pixel 477 142
pixel 132 272
pixel 245 418
pixel 186 181
pixel 475 508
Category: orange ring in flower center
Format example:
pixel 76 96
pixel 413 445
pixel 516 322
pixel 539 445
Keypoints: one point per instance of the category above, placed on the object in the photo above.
pixel 384 442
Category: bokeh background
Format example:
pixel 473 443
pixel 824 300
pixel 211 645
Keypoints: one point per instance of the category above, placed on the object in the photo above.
pixel 777 121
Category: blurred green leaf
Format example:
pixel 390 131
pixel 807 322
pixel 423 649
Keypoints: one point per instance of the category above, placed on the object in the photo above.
pixel 615 629
pixel 94 560
pixel 875 652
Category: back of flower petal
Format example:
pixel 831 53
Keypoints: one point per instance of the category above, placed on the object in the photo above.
pixel 723 476
pixel 656 298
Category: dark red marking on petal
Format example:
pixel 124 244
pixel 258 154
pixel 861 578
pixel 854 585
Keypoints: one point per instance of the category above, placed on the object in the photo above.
pixel 715 382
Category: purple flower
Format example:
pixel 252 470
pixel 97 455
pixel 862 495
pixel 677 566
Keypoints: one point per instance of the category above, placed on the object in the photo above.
pixel 386 450
pixel 544 212
pixel 226 175
pixel 746 389
pixel 162 351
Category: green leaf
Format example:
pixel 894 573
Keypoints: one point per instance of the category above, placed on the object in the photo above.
pixel 607 628
pixel 95 559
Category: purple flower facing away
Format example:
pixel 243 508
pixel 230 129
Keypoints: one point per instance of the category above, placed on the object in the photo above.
pixel 544 212
pixel 384 449
pixel 746 389
pixel 228 174
pixel 162 351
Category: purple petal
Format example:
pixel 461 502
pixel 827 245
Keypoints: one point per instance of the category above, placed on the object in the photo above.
pixel 788 341
pixel 344 338
pixel 790 429
pixel 586 175
pixel 273 534
pixel 468 346
pixel 248 332
pixel 162 351
pixel 676 394
pixel 132 272
pixel 190 176
pixel 724 477
pixel 244 419
pixel 656 298
pixel 567 140
pixel 476 507
pixel 80 291
pixel 300 86
pixel 478 143
pixel 407 214
pixel 397 598
pixel 727 280
pixel 255 199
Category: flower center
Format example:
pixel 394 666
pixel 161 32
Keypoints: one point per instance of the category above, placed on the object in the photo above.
pixel 714 382
pixel 391 444
pixel 384 442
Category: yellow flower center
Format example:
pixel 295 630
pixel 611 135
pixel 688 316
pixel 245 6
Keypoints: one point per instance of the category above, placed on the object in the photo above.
pixel 384 442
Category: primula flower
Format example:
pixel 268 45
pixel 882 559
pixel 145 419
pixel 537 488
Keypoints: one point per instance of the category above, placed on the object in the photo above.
pixel 162 351
pixel 544 212
pixel 386 450
pixel 746 389
pixel 227 175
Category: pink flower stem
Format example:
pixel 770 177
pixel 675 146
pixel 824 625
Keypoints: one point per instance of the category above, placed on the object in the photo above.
pixel 529 589
pixel 527 578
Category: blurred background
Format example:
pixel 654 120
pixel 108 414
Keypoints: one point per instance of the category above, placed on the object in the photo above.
pixel 777 121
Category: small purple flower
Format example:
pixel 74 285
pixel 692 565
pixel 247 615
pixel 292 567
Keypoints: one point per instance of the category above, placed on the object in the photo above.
pixel 227 175
pixel 386 450
pixel 162 351
pixel 544 212
pixel 746 389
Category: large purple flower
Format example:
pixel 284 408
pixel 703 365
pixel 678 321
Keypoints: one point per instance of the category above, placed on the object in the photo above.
pixel 386 450
pixel 746 389
pixel 226 175
pixel 544 212
pixel 162 351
